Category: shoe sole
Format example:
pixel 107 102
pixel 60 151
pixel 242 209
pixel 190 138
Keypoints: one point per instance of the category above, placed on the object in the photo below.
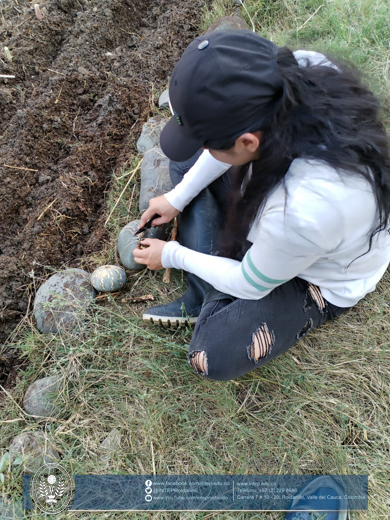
pixel 169 322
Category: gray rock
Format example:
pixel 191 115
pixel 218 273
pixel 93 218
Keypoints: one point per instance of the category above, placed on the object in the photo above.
pixel 150 135
pixel 35 450
pixel 227 23
pixel 110 444
pixel 155 180
pixel 11 510
pixel 40 396
pixel 62 299
pixel 127 242
pixel 163 100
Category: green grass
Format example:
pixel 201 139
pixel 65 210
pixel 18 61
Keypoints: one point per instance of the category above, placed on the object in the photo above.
pixel 357 31
pixel 323 407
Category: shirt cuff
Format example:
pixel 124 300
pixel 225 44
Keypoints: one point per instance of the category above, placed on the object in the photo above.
pixel 168 253
pixel 174 201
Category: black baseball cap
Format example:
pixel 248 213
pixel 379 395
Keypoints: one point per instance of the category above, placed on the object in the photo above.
pixel 224 85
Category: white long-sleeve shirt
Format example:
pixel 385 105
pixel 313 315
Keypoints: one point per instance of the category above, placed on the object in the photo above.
pixel 325 225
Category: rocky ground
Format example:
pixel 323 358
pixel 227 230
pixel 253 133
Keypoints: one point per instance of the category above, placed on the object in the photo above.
pixel 84 77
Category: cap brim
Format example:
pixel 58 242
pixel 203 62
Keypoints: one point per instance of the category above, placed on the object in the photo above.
pixel 175 144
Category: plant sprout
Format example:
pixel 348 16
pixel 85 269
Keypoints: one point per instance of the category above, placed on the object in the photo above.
pixel 8 54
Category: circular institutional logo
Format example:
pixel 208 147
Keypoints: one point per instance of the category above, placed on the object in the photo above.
pixel 52 489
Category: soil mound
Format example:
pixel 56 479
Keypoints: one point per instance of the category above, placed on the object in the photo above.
pixel 84 76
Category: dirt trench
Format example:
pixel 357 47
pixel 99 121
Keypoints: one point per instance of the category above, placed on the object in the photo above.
pixel 83 81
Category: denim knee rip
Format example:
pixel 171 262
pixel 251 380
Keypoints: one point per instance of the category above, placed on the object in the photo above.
pixel 198 361
pixel 262 342
pixel 306 329
pixel 316 296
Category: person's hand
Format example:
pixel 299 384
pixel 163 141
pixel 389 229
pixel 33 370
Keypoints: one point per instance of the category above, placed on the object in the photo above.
pixel 162 207
pixel 151 256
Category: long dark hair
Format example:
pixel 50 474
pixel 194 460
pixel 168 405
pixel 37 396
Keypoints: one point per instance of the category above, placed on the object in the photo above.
pixel 322 113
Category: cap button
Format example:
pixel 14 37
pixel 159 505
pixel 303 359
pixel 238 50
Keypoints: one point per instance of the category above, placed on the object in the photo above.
pixel 203 44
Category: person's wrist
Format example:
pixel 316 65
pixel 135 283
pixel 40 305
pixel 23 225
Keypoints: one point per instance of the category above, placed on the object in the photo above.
pixel 173 201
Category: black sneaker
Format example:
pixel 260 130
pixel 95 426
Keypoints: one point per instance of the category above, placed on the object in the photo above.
pixel 180 313
pixel 172 314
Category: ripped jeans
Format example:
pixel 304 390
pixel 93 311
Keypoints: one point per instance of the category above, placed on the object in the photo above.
pixel 232 338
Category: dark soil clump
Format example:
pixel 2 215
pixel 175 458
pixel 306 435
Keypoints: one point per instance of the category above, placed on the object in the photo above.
pixel 70 118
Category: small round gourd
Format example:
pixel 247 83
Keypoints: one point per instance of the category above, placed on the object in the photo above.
pixel 127 242
pixel 108 278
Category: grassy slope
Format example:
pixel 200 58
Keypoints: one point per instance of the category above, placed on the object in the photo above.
pixel 321 408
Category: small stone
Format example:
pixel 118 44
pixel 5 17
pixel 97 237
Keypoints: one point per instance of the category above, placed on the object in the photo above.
pixel 108 278
pixel 11 510
pixel 227 23
pixel 34 449
pixel 150 135
pixel 110 444
pixel 108 13
pixel 163 100
pixel 155 179
pixel 83 71
pixel 127 242
pixel 43 179
pixel 39 398
pixel 62 299
pixel 5 96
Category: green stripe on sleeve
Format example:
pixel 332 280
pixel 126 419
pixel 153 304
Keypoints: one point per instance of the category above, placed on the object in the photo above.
pixel 249 280
pixel 261 275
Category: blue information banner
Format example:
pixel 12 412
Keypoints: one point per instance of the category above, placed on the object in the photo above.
pixel 207 492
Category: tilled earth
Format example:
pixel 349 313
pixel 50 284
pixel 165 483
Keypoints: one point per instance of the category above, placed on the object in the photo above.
pixel 82 90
